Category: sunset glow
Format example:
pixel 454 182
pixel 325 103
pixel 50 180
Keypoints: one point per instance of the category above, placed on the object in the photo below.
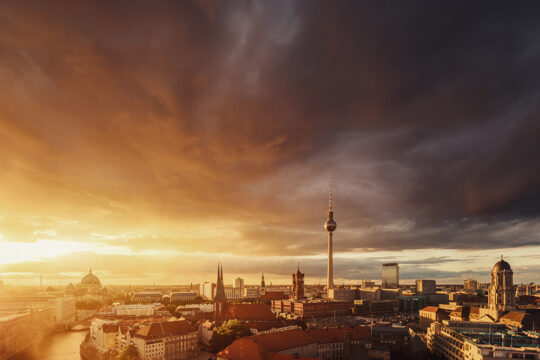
pixel 151 142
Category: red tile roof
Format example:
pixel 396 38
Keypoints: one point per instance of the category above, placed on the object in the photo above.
pixel 109 328
pixel 244 349
pixel 248 312
pixel 430 308
pixel 268 346
pixel 274 295
pixel 251 348
pixel 283 340
pixel 164 329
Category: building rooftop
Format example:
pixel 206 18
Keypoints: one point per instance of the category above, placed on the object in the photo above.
pixel 494 334
pixel 249 312
pixel 164 329
pixel 430 308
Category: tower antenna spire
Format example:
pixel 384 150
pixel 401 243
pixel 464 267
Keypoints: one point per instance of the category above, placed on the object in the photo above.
pixel 330 194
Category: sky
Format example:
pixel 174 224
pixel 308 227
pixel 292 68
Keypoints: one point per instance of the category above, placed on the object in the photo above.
pixel 150 140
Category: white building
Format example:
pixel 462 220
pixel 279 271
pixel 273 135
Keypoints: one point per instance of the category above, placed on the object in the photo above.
pixel 208 290
pixel 250 293
pixel 65 311
pixel 170 340
pixel 233 293
pixel 103 334
pixel 136 309
pixel 202 307
pixel 341 294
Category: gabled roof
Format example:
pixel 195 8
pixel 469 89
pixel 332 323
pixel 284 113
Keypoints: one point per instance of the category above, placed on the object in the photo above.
pixel 267 346
pixel 164 329
pixel 430 308
pixel 243 349
pixel 514 316
pixel 283 340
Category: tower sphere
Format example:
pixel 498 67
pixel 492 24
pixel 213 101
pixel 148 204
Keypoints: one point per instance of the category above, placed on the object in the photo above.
pixel 330 224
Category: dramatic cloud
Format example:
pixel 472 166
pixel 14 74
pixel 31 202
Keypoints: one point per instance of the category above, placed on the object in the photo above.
pixel 207 129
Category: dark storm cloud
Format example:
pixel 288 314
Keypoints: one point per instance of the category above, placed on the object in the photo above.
pixel 234 111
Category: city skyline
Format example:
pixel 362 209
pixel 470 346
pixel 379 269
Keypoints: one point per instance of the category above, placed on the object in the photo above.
pixel 150 143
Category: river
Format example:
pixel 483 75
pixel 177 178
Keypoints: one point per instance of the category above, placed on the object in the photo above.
pixel 59 346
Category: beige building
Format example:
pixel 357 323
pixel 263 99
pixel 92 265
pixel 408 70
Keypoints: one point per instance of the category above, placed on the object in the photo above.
pixel 169 340
pixel 470 284
pixel 501 296
pixel 250 293
pixel 65 311
pixel 103 334
pixel 431 314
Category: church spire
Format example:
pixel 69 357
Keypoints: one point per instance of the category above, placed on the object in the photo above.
pixel 220 288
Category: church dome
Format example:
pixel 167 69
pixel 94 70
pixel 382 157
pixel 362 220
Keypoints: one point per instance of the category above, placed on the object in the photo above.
pixel 502 265
pixel 90 280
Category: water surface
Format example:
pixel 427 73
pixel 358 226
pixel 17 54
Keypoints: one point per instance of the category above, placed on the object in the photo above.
pixel 59 346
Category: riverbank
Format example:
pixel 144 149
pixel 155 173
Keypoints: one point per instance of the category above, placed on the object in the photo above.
pixel 58 346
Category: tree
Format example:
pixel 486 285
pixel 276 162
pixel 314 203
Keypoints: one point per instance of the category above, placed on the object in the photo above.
pixel 229 331
pixel 128 353
pixel 172 309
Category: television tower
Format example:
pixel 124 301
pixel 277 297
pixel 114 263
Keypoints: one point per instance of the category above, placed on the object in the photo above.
pixel 330 226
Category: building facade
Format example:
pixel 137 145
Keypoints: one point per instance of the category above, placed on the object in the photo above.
pixel 426 287
pixel 170 340
pixel 208 290
pixel 183 296
pixel 298 285
pixel 390 275
pixel 501 291
pixel 470 284
pixel 239 283
pixel 147 297
pixel 454 340
pixel 312 309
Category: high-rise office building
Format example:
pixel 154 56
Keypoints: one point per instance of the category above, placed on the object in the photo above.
pixel 470 284
pixel 426 287
pixel 390 275
pixel 239 283
pixel 368 283
pixel 330 226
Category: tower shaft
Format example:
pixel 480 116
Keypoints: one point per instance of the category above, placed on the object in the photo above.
pixel 330 279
